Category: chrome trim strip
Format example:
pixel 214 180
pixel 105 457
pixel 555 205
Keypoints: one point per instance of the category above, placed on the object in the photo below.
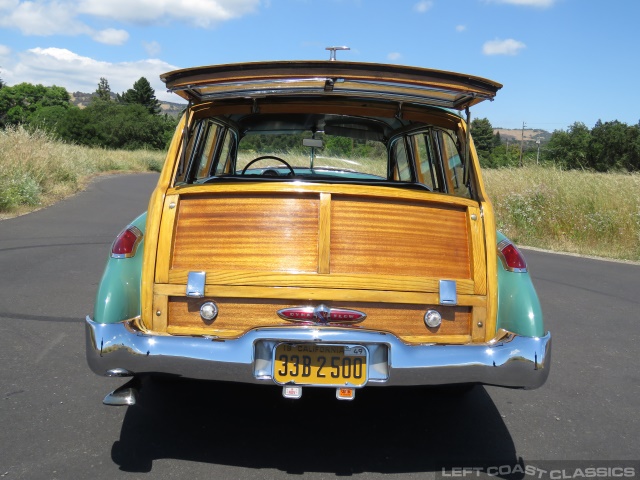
pixel 427 100
pixel 509 360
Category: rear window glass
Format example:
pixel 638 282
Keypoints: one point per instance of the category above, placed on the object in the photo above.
pixel 354 149
pixel 337 154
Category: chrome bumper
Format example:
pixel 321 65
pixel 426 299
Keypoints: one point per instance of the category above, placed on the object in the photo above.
pixel 510 360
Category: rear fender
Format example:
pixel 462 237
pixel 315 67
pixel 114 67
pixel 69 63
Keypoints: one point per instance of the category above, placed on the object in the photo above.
pixel 118 296
pixel 519 308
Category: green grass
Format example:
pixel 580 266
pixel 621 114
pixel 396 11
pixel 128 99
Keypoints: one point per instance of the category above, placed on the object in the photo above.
pixel 36 170
pixel 571 211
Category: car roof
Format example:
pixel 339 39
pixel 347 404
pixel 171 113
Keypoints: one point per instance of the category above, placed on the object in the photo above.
pixel 397 83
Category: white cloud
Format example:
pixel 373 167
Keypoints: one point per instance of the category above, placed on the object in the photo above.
pixel 503 47
pixel 111 36
pixel 202 13
pixel 423 6
pixel 527 3
pixel 461 28
pixel 62 67
pixel 8 4
pixel 4 51
pixel 152 48
pixel 42 18
pixel 68 17
pixel 394 56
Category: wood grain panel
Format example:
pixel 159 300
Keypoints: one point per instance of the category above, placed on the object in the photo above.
pixel 320 294
pixel 150 250
pixel 399 238
pixel 347 190
pixel 478 324
pixel 364 282
pixel 160 313
pixel 477 252
pixel 324 234
pixel 274 233
pixel 492 270
pixel 237 316
pixel 166 236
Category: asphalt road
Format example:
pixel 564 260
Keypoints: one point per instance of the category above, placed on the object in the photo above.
pixel 53 424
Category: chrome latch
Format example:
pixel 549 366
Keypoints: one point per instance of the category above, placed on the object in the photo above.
pixel 195 284
pixel 448 294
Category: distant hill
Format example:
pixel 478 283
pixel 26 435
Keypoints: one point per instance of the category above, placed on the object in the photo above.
pixel 81 100
pixel 515 134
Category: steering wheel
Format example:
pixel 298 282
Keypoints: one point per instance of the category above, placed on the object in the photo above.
pixel 265 157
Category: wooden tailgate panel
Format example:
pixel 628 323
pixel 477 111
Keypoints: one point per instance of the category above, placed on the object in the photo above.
pixel 267 233
pixel 253 244
pixel 238 316
pixel 398 238
pixel 258 233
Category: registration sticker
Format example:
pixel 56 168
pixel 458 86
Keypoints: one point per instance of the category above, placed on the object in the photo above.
pixel 345 393
pixel 354 351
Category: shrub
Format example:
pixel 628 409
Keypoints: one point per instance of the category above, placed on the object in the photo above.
pixel 18 190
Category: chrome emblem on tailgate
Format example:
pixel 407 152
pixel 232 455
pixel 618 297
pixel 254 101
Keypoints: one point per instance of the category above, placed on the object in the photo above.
pixel 321 315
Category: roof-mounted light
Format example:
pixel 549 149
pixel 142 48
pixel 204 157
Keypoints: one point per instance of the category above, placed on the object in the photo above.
pixel 332 55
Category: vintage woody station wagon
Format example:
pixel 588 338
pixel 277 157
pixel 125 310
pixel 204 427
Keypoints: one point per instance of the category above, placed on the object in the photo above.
pixel 319 224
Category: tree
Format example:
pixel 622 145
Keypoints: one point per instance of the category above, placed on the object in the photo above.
pixel 482 133
pixel 48 118
pixel 117 126
pixel 103 91
pixel 2 84
pixel 19 102
pixel 497 141
pixel 608 147
pixel 338 146
pixel 633 142
pixel 569 148
pixel 141 94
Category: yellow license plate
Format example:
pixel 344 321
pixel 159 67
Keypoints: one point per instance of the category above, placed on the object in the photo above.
pixel 320 365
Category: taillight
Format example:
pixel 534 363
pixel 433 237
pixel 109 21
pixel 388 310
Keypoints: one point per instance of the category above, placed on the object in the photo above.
pixel 512 259
pixel 126 243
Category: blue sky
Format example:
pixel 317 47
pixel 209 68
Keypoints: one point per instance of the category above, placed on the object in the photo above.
pixel 561 61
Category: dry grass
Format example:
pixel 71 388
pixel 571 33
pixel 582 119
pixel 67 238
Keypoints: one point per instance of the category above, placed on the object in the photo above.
pixel 571 211
pixel 36 170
